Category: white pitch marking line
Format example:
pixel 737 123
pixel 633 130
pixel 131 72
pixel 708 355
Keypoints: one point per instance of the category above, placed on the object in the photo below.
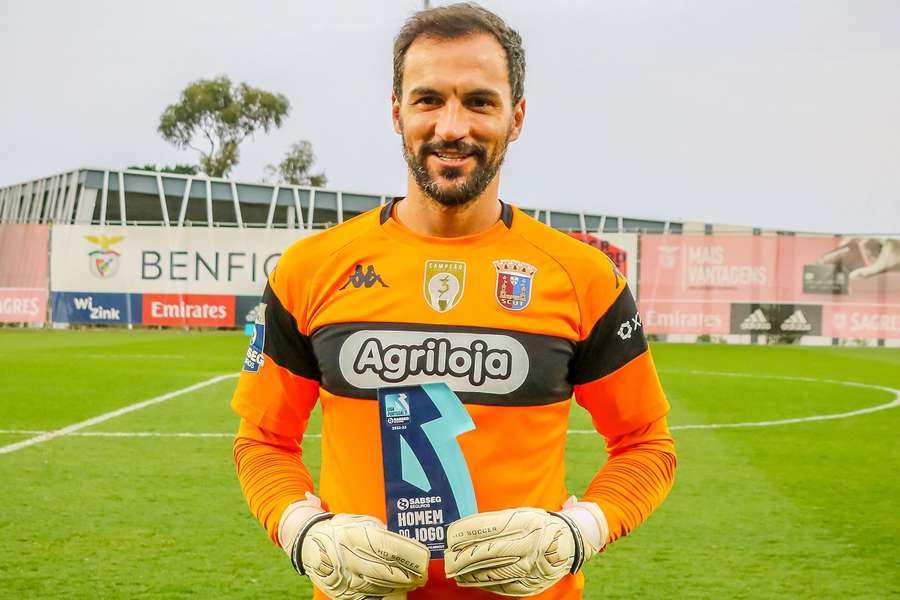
pixel 139 434
pixel 70 429
pixel 844 415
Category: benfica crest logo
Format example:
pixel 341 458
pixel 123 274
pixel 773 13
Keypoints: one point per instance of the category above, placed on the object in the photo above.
pixel 104 261
pixel 514 283
pixel 444 283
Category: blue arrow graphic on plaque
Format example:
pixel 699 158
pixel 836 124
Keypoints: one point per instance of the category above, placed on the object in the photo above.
pixel 442 432
pixel 411 468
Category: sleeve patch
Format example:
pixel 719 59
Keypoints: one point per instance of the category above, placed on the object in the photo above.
pixel 254 359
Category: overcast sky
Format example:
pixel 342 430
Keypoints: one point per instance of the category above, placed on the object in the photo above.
pixel 772 113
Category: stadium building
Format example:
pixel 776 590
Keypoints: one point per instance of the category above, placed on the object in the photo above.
pixel 132 247
pixel 92 196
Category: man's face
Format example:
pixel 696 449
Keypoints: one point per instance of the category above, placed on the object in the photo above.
pixel 456 115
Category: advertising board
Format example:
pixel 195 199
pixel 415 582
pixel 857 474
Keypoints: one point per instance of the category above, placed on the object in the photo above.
pixel 842 287
pixel 165 260
pixel 23 273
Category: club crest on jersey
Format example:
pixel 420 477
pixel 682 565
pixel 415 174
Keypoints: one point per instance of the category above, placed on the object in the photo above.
pixel 444 283
pixel 514 282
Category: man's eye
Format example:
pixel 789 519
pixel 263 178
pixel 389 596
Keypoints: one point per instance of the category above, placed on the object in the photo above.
pixel 480 103
pixel 428 100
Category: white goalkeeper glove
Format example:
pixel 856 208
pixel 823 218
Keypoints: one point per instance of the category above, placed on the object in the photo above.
pixel 523 551
pixel 350 557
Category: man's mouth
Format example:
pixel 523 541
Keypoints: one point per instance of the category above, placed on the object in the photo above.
pixel 452 158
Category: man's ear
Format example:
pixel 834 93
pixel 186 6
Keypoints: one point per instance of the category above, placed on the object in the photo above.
pixel 395 112
pixel 518 120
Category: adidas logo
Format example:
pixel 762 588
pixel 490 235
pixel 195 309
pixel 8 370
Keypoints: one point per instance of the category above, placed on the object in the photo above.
pixel 756 322
pixel 796 322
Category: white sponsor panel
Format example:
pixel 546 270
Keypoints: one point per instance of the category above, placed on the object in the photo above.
pixel 466 362
pixel 197 260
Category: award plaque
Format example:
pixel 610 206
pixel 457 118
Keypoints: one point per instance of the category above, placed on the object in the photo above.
pixel 426 480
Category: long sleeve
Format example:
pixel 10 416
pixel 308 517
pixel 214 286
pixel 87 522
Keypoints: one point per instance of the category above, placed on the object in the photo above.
pixel 616 381
pixel 636 478
pixel 271 473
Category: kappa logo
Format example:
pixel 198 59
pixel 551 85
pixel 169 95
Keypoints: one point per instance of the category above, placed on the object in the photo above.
pixel 629 327
pixel 444 284
pixel 103 262
pixel 514 283
pixel 366 279
pixel 756 321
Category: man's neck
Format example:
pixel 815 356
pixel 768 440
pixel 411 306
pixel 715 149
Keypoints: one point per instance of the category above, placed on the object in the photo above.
pixel 426 216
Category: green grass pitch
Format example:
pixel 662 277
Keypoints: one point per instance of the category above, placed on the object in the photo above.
pixel 804 510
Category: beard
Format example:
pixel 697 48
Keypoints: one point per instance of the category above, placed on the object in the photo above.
pixel 464 189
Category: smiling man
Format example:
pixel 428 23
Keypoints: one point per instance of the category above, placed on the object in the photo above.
pixel 446 372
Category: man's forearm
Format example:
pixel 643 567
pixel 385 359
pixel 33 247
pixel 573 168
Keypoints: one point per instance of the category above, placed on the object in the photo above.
pixel 271 473
pixel 636 478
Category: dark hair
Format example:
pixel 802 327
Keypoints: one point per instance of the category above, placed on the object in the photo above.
pixel 456 21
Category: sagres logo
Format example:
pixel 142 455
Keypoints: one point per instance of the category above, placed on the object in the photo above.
pixel 104 261
pixel 444 283
pixel 466 362
pixel 514 279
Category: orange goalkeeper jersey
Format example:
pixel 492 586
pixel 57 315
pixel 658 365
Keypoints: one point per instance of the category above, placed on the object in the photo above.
pixel 515 320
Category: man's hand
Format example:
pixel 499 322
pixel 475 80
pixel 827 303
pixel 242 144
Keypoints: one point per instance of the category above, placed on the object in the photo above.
pixel 523 551
pixel 350 557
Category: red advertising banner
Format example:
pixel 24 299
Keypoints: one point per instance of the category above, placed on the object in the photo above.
pixel 813 285
pixel 23 273
pixel 188 309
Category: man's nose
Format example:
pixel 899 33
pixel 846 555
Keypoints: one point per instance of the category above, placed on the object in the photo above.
pixel 452 124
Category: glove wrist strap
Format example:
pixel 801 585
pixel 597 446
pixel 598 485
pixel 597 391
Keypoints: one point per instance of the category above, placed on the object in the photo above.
pixel 297 549
pixel 578 560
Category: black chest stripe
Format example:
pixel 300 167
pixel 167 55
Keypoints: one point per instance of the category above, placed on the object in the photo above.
pixel 482 365
pixel 616 338
pixel 284 343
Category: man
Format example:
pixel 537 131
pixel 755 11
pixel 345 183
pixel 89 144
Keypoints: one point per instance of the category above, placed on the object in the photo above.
pixel 523 317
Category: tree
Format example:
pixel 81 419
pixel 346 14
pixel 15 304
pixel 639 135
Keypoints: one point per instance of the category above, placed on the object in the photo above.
pixel 179 169
pixel 221 116
pixel 295 167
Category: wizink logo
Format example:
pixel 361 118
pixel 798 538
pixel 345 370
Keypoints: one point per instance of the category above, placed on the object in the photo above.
pixel 489 363
pixel 96 313
pixel 104 261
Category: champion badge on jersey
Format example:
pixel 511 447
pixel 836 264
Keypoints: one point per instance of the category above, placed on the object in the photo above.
pixel 254 359
pixel 444 283
pixel 427 484
pixel 514 283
